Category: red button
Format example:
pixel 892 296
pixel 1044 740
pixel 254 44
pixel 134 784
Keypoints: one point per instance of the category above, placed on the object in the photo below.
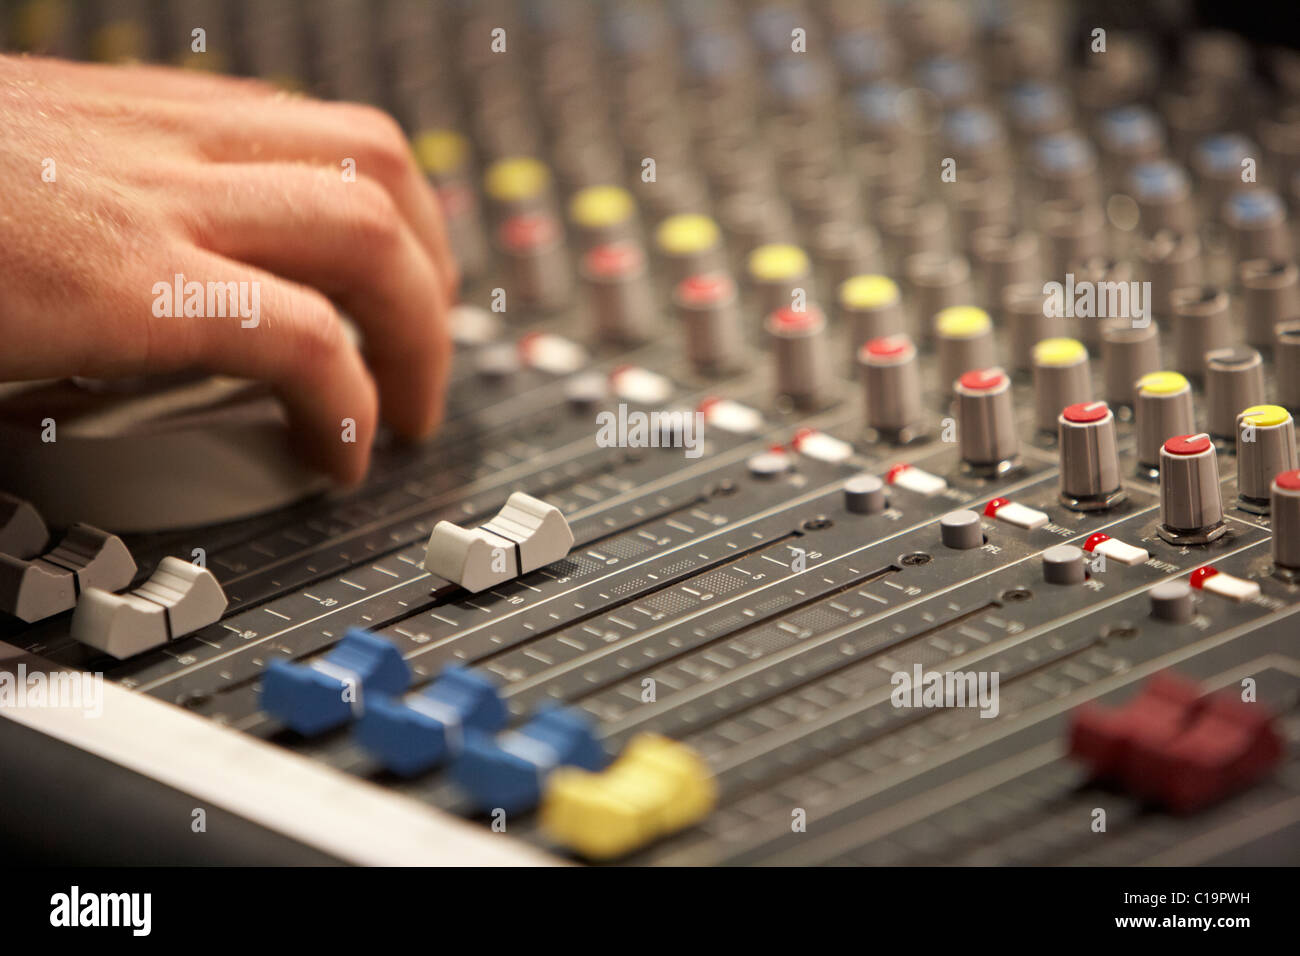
pixel 1197 578
pixel 708 289
pixel 982 380
pixel 1094 540
pixel 529 231
pixel 801 436
pixel 1288 481
pixel 892 475
pixel 793 320
pixel 889 346
pixel 1086 412
pixel 614 259
pixel 991 509
pixel 1188 444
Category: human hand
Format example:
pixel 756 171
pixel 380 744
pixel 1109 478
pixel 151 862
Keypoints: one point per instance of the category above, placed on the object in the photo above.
pixel 116 179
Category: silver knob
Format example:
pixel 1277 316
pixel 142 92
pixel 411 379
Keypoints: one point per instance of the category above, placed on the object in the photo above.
pixel 1191 507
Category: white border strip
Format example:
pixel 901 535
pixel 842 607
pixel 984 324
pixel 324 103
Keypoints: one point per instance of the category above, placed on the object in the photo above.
pixel 309 802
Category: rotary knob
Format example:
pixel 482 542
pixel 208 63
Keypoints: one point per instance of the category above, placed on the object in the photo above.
pixel 801 351
pixel 965 338
pixel 708 307
pixel 871 307
pixel 622 299
pixel 536 261
pixel 1127 354
pixel 1162 410
pixel 1286 521
pixel 986 421
pixel 1191 507
pixel 1234 379
pixel 891 381
pixel 1265 448
pixel 1061 378
pixel 1089 459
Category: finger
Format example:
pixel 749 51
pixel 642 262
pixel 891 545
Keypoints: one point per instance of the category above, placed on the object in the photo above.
pixel 327 135
pixel 297 345
pixel 348 240
pixel 154 82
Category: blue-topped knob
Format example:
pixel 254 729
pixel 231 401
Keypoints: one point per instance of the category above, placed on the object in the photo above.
pixel 413 734
pixel 328 692
pixel 509 771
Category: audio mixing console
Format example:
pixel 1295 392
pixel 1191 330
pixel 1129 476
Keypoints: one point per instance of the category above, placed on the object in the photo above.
pixel 782 513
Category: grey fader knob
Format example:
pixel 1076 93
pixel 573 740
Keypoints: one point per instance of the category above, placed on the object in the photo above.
pixel 85 558
pixel 1191 507
pixel 524 535
pixel 1163 409
pixel 1127 354
pixel 1265 448
pixel 891 381
pixel 802 353
pixel 1061 378
pixel 1201 324
pixel 1089 459
pixel 961 530
pixel 1064 564
pixel 22 532
pixel 709 310
pixel 1234 380
pixel 1286 520
pixel 986 421
pixel 178 599
pixel 1173 601
pixel 864 495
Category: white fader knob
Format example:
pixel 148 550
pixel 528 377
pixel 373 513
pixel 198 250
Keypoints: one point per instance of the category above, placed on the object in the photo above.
pixel 178 598
pixel 525 535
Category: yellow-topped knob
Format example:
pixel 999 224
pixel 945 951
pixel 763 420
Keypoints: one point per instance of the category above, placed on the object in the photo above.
pixel 868 292
pixel 1265 416
pixel 599 206
pixel 441 151
pixel 516 179
pixel 962 321
pixel 776 261
pixel 1060 351
pixel 656 787
pixel 686 233
pixel 1162 383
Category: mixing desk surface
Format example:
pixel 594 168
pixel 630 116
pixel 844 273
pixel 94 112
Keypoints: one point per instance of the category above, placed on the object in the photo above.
pixel 869 442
